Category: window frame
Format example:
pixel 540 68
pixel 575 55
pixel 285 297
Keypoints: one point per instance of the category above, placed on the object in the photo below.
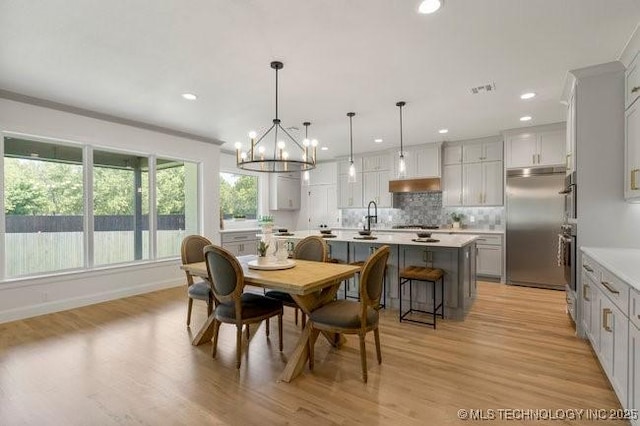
pixel 88 213
pixel 262 181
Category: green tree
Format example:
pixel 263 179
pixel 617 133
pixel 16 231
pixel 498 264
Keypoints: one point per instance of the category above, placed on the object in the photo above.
pixel 23 198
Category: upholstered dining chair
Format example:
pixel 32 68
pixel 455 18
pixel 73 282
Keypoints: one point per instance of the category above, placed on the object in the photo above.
pixel 313 248
pixel 191 251
pixel 232 305
pixel 355 317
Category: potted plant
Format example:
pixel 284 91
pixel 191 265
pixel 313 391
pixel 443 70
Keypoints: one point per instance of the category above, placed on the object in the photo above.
pixel 262 248
pixel 239 217
pixel 457 218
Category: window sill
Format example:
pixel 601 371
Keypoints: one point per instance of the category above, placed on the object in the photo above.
pixel 75 274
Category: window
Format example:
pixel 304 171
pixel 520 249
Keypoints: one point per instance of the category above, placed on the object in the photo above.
pixel 44 204
pixel 45 199
pixel 120 207
pixel 177 204
pixel 238 196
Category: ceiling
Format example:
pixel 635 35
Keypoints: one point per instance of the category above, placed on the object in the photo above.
pixel 135 59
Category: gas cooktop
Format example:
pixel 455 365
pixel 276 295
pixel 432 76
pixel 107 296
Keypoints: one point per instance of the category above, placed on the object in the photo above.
pixel 416 227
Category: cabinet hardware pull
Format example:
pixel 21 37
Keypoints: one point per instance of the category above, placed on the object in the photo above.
pixel 584 293
pixel 605 319
pixel 587 267
pixel 635 89
pixel 634 180
pixel 533 159
pixel 538 158
pixel 609 287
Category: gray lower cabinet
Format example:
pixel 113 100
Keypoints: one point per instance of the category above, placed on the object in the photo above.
pixel 241 243
pixel 608 309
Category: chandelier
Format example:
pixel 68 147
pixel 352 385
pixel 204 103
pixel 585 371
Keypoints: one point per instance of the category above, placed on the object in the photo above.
pixel 278 157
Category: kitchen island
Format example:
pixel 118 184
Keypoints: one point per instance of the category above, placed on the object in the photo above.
pixel 453 253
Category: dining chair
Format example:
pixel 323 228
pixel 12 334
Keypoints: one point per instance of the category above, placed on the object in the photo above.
pixel 191 251
pixel 232 305
pixel 313 248
pixel 354 317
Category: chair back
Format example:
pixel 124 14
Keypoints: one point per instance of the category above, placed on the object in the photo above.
pixel 312 248
pixel 192 247
pixel 372 276
pixel 225 274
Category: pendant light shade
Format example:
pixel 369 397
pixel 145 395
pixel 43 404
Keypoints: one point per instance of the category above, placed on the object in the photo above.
pixel 402 166
pixel 352 167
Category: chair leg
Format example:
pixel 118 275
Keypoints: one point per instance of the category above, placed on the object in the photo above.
pixel 247 331
pixel 216 329
pixel 311 345
pixel 189 312
pixel 304 320
pixel 239 344
pixel 209 305
pixel 280 344
pixel 267 321
pixel 363 358
pixel 297 316
pixel 376 334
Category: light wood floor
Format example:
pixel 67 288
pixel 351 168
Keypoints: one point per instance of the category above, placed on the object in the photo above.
pixel 131 362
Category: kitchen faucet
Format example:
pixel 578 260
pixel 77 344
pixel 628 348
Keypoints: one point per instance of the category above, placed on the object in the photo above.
pixel 369 217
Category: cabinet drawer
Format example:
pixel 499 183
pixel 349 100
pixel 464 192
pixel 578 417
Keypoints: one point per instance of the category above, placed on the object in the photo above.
pixel 634 307
pixel 234 237
pixel 489 240
pixel 589 267
pixel 616 290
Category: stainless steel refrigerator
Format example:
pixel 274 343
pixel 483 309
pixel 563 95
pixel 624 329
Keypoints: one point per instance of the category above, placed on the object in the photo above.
pixel 535 211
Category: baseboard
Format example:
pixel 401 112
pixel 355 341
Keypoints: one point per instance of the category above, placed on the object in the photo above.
pixel 77 302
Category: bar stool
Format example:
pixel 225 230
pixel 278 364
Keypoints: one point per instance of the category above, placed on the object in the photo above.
pixel 360 263
pixel 420 273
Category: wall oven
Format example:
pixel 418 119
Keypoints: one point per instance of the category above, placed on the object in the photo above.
pixel 567 254
pixel 569 192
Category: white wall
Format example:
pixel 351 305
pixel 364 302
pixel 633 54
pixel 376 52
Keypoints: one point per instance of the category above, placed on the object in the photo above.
pixel 33 296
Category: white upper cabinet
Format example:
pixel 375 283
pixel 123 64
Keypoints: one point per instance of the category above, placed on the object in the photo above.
pixel 452 154
pixel 284 191
pixel 375 187
pixel 632 133
pixel 376 162
pixel 632 82
pixel 422 161
pixel 485 151
pixel 571 132
pixel 632 153
pixel 452 185
pixel 536 147
pixel 323 174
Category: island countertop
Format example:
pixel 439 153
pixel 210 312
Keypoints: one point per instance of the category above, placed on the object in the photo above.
pixel 390 238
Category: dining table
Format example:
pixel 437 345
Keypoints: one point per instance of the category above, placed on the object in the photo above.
pixel 311 284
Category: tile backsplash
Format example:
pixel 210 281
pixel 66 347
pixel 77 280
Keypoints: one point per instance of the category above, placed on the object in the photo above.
pixel 425 208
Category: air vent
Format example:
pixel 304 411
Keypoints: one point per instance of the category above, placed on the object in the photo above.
pixel 485 88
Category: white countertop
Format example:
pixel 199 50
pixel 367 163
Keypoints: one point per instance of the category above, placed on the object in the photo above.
pixel 228 231
pixel 391 238
pixel 624 263
pixel 435 231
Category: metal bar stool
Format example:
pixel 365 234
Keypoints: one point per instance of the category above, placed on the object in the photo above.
pixel 420 273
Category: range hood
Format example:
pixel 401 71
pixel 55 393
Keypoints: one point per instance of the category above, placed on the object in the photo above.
pixel 415 185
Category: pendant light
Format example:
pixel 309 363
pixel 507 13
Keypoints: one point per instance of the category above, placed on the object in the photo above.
pixel 402 167
pixel 306 142
pixel 275 158
pixel 352 167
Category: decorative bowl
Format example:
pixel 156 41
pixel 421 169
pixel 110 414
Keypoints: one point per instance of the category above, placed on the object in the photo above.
pixel 423 234
pixel 364 232
pixel 325 231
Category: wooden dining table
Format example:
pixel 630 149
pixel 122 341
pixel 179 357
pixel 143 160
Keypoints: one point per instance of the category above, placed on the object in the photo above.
pixel 311 284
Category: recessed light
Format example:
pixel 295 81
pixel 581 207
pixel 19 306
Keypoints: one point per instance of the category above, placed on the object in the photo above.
pixel 377 140
pixel 325 148
pixel 430 6
pixel 443 131
pixel 528 95
pixel 189 96
pixel 525 118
